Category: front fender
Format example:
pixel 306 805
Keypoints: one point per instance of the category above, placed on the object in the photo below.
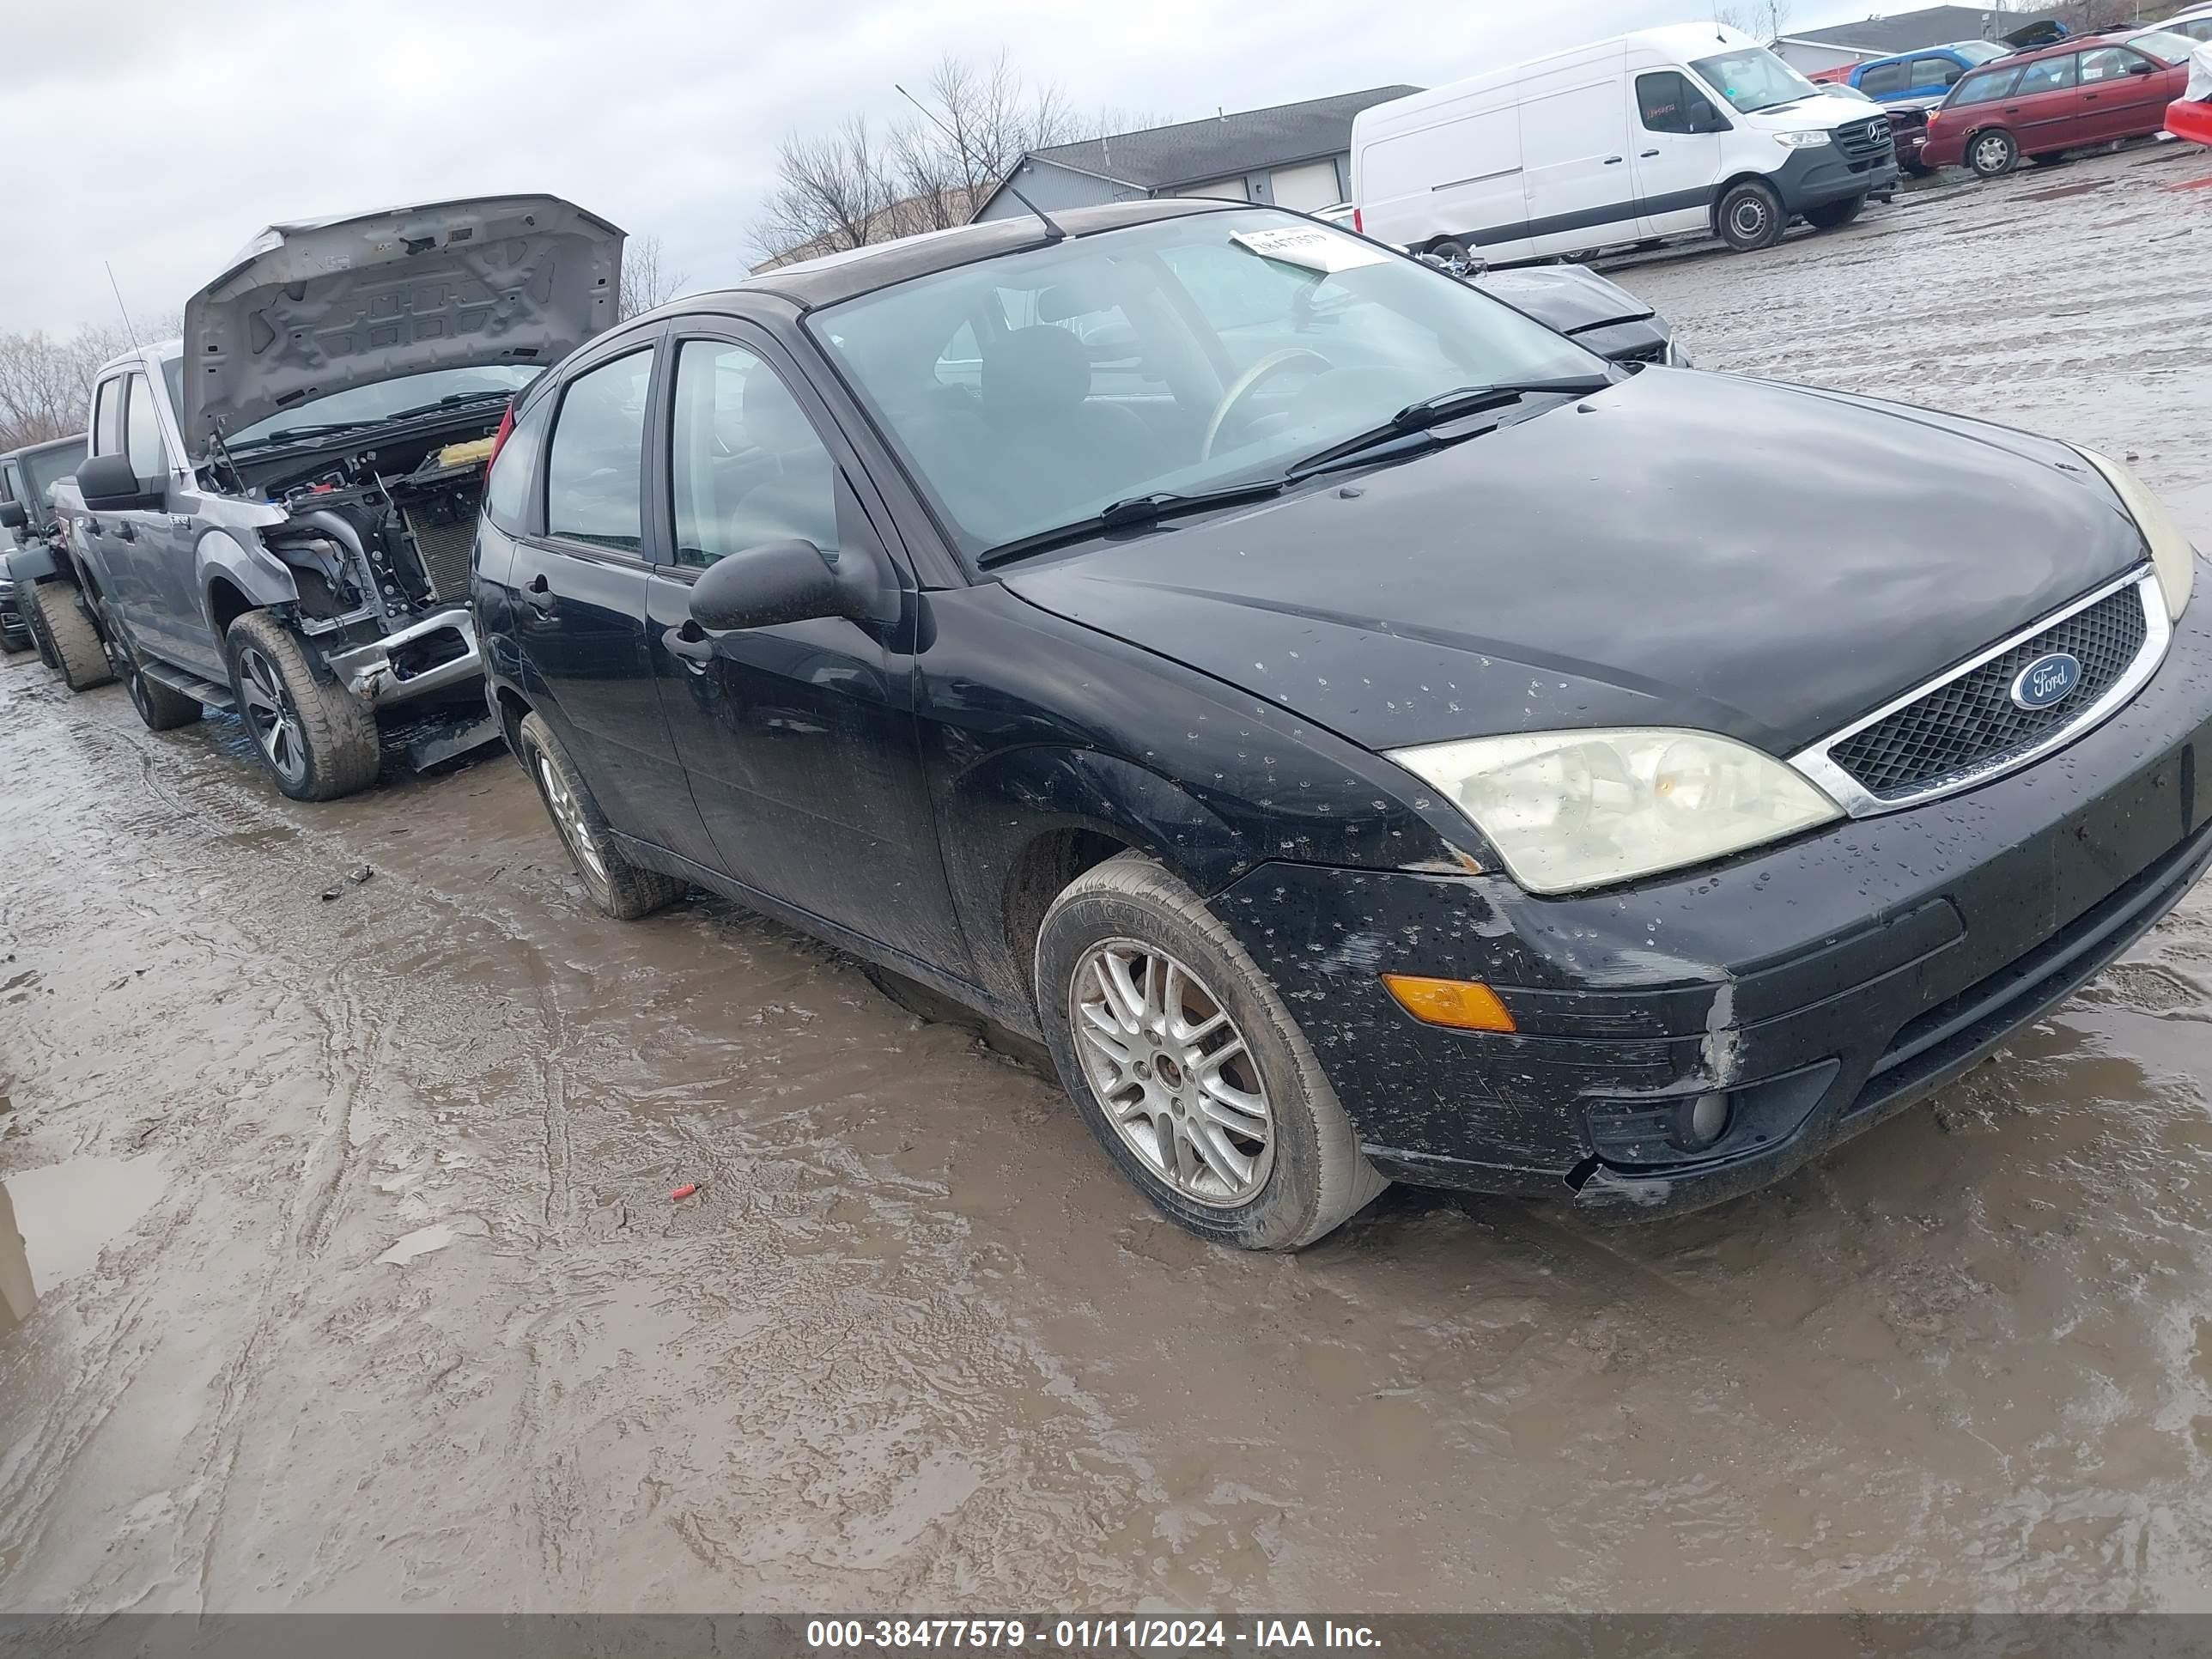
pixel 263 578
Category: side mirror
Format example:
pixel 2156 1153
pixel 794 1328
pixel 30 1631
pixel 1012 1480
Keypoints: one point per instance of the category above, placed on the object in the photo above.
pixel 12 515
pixel 108 485
pixel 775 582
pixel 2143 69
pixel 1704 118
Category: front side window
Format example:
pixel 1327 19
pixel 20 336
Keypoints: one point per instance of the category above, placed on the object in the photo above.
pixel 2105 64
pixel 1754 79
pixel 2047 75
pixel 1984 89
pixel 142 432
pixel 1164 358
pixel 594 466
pixel 107 418
pixel 1932 72
pixel 1666 102
pixel 746 465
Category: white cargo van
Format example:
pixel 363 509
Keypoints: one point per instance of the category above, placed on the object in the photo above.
pixel 1696 128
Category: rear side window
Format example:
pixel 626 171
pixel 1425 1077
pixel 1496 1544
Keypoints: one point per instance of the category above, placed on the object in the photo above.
pixel 507 491
pixel 2048 74
pixel 1883 77
pixel 1663 102
pixel 1985 88
pixel 142 432
pixel 107 418
pixel 593 488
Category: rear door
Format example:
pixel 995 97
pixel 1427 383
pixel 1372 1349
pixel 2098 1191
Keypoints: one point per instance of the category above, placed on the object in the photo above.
pixel 1574 159
pixel 799 739
pixel 1675 165
pixel 576 584
pixel 2044 110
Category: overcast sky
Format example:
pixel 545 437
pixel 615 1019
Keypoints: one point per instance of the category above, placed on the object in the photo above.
pixel 161 134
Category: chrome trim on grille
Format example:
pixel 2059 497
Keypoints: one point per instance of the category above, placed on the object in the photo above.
pixel 1848 793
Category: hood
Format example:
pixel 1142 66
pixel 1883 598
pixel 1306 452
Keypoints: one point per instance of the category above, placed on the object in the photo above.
pixel 311 308
pixel 1568 298
pixel 1825 113
pixel 1695 550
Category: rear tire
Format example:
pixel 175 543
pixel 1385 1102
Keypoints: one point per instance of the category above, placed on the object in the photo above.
pixel 79 658
pixel 1191 1072
pixel 318 739
pixel 1993 154
pixel 1751 217
pixel 160 708
pixel 624 891
pixel 1834 216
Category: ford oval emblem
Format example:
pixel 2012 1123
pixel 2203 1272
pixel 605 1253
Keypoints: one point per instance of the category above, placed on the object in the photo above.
pixel 2049 679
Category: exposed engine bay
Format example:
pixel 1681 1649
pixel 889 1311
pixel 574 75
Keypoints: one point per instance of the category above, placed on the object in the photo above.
pixel 385 528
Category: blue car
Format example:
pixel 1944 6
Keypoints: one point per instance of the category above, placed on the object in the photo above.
pixel 1929 73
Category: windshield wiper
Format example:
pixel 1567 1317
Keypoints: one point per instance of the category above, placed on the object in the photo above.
pixel 295 433
pixel 1132 513
pixel 1448 406
pixel 448 401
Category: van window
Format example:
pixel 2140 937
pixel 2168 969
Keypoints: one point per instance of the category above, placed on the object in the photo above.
pixel 1985 88
pixel 107 418
pixel 1667 102
pixel 2048 73
pixel 1882 78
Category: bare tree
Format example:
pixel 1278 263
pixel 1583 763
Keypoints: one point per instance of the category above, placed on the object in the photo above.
pixel 647 279
pixel 1768 20
pixel 45 382
pixel 928 173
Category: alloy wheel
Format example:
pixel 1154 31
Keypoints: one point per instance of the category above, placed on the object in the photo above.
pixel 123 663
pixel 271 714
pixel 1172 1072
pixel 568 819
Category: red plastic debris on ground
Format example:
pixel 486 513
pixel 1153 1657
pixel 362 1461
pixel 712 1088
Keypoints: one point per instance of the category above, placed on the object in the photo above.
pixel 684 1192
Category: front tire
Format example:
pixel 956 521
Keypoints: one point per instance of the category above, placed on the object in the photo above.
pixel 318 739
pixel 78 656
pixel 1457 260
pixel 1187 1066
pixel 1993 154
pixel 1834 216
pixel 624 891
pixel 160 708
pixel 1751 217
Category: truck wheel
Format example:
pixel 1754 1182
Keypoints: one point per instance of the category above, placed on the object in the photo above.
pixel 1188 1068
pixel 316 737
pixel 79 658
pixel 35 620
pixel 161 708
pixel 1993 154
pixel 1457 259
pixel 1751 217
pixel 624 891
pixel 1834 216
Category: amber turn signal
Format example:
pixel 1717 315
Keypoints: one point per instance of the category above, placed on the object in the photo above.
pixel 1467 1004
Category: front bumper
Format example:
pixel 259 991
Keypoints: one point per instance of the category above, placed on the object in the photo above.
pixel 433 654
pixel 1813 178
pixel 1823 984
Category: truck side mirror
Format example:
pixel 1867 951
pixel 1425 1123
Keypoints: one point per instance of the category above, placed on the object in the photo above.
pixel 12 515
pixel 1704 118
pixel 108 485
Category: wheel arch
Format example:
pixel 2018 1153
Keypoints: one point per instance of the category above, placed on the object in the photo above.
pixel 1743 176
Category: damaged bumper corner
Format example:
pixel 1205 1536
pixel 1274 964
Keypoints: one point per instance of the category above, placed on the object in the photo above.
pixel 433 654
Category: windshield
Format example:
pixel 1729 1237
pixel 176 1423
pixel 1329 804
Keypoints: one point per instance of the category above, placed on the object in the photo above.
pixel 1754 79
pixel 367 404
pixel 47 468
pixel 1980 51
pixel 1031 392
pixel 2167 48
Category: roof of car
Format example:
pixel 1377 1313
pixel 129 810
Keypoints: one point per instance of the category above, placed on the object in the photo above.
pixel 837 277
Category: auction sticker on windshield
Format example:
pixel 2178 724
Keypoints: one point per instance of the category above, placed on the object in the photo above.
pixel 1311 249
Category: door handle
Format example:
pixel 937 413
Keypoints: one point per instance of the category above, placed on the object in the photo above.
pixel 2012 109
pixel 691 645
pixel 1613 161
pixel 1645 155
pixel 540 594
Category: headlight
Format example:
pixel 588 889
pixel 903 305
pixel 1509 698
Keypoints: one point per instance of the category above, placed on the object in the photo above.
pixel 1801 140
pixel 1574 810
pixel 2171 555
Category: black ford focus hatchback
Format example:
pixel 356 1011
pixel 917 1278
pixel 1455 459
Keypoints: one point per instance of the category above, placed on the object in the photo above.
pixel 1361 734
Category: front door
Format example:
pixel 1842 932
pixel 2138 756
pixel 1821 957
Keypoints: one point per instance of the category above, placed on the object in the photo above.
pixel 577 590
pixel 1676 152
pixel 799 738
pixel 2122 94
pixel 161 601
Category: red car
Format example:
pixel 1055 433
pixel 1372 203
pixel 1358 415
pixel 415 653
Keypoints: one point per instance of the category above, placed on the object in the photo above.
pixel 2085 91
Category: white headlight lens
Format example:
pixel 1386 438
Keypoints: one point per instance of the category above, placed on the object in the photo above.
pixel 2171 555
pixel 1801 140
pixel 1569 810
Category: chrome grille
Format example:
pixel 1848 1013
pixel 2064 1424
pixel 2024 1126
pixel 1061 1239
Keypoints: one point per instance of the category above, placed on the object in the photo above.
pixel 1863 144
pixel 1968 727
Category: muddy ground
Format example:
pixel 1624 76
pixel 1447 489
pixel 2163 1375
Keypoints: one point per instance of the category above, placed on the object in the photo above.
pixel 359 1284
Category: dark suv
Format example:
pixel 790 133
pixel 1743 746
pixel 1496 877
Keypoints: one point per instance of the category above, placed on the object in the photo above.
pixel 1361 733
pixel 37 593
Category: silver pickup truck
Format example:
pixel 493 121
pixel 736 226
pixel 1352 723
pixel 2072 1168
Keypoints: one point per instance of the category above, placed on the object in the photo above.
pixel 277 512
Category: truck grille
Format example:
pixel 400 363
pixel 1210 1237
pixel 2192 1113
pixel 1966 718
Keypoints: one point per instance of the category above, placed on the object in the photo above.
pixel 1971 723
pixel 444 549
pixel 1865 143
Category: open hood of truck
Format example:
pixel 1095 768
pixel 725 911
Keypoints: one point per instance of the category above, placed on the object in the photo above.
pixel 315 307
